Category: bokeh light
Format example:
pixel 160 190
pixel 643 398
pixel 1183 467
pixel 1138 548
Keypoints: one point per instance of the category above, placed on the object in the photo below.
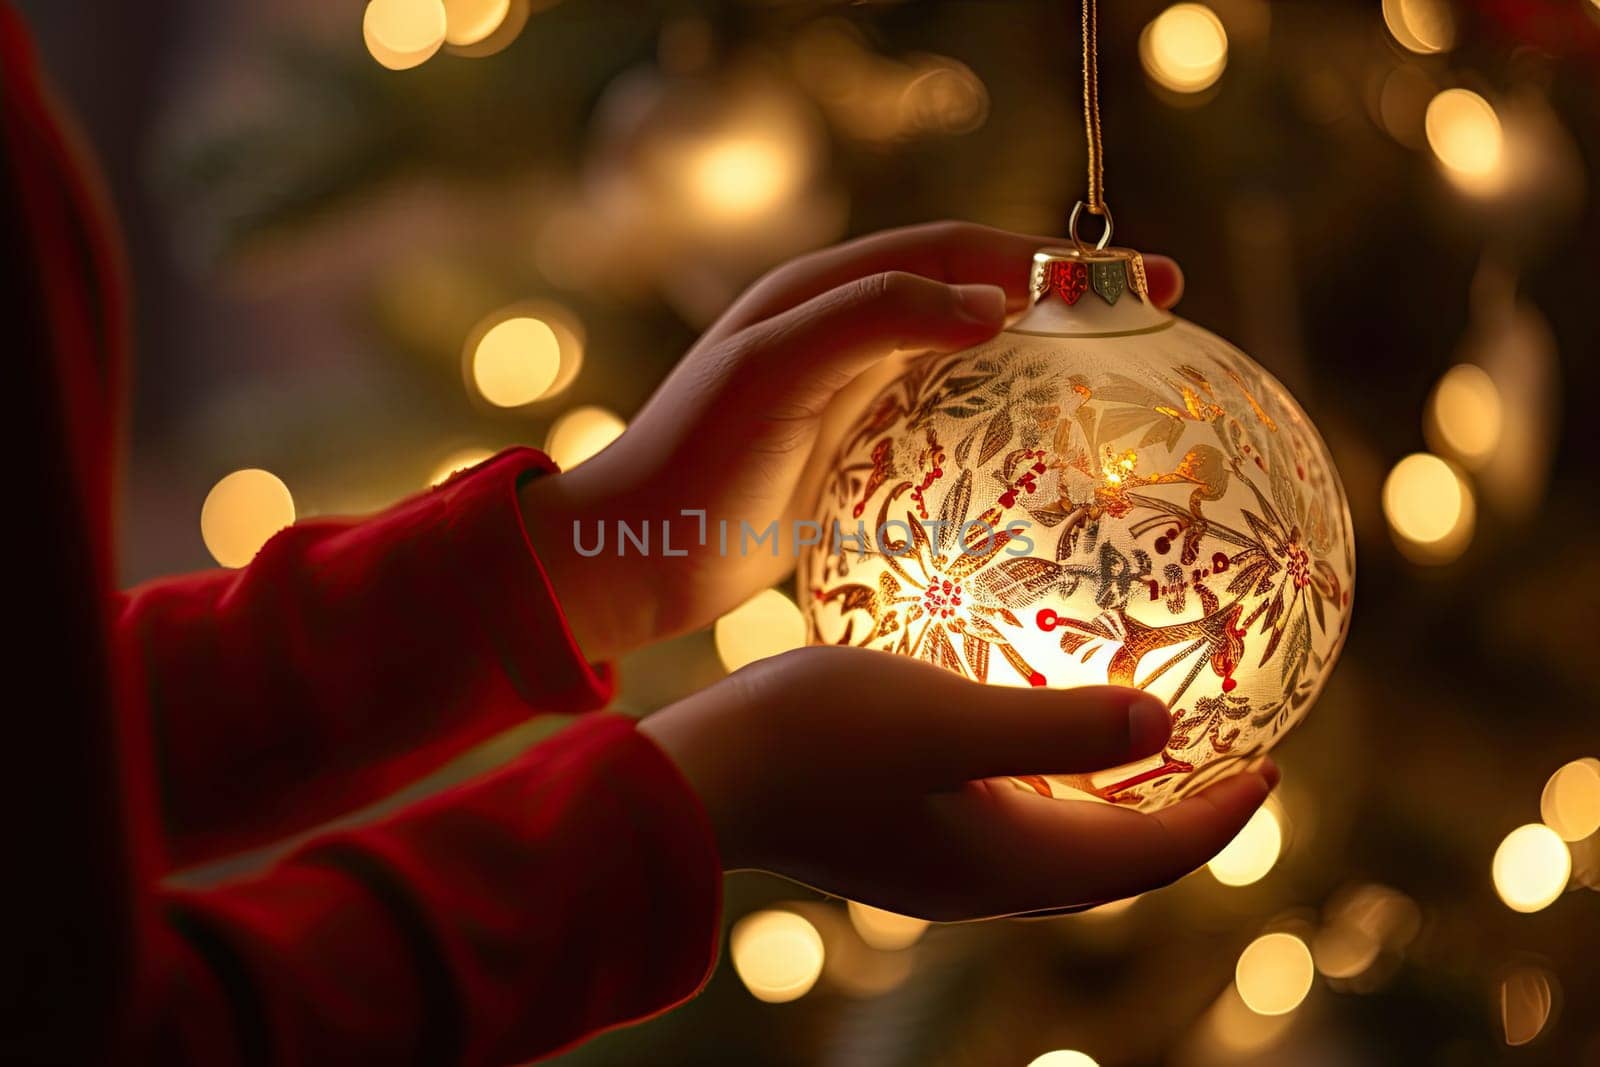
pixel 1344 950
pixel 1465 415
pixel 944 97
pixel 1362 923
pixel 1570 804
pixel 458 460
pixel 1274 974
pixel 470 21
pixel 1401 104
pixel 1429 507
pixel 765 625
pixel 403 33
pixel 859 970
pixel 777 954
pixel 582 433
pixel 1464 133
pixel 1422 26
pixel 1252 852
pixel 241 512
pixel 479 13
pixel 516 361
pixel 1527 996
pixel 743 176
pixel 885 929
pixel 1184 48
pixel 523 352
pixel 1064 1057
pixel 1235 1030
pixel 1531 868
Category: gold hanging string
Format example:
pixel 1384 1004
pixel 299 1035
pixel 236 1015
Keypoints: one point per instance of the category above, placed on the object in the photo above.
pixel 1096 201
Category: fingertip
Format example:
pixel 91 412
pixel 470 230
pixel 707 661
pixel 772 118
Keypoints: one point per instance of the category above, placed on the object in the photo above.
pixel 1149 725
pixel 1239 795
pixel 981 304
pixel 1268 770
pixel 1165 278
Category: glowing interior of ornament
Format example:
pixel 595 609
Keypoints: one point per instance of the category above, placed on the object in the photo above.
pixel 1143 508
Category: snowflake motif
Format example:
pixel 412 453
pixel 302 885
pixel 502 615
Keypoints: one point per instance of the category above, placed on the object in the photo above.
pixel 941 598
pixel 1297 561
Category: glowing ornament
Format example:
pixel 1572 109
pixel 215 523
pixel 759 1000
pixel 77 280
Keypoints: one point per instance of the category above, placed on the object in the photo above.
pixel 1103 493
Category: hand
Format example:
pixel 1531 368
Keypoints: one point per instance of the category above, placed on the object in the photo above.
pixel 871 776
pixel 733 428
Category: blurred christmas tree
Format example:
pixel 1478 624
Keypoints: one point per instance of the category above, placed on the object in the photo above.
pixel 1362 197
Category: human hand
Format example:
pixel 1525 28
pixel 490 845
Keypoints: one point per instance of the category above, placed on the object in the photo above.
pixel 874 777
pixel 733 428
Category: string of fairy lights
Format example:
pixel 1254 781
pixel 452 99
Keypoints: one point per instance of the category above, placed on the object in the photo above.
pixel 525 356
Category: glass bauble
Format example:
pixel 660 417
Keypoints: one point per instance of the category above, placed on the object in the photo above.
pixel 1103 493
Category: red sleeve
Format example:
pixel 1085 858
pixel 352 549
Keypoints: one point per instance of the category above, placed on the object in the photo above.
pixel 574 890
pixel 348 659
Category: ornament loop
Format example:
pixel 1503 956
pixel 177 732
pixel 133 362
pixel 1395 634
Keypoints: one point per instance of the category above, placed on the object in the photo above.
pixel 1105 233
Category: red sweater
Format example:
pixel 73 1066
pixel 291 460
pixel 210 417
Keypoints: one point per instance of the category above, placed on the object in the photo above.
pixel 575 889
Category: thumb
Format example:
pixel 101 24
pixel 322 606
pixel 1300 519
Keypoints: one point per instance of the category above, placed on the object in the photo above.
pixel 1165 278
pixel 892 720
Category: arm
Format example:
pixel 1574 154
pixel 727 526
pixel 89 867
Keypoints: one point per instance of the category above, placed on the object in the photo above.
pixel 578 888
pixel 348 659
pixel 573 890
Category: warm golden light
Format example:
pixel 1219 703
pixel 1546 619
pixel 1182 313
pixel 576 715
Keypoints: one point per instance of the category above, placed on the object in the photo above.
pixel 1235 1029
pixel 1465 415
pixel 1429 507
pixel 403 33
pixel 241 512
pixel 1570 804
pixel 1423 26
pixel 1402 103
pixel 765 625
pixel 505 20
pixel 862 971
pixel 459 460
pixel 527 351
pixel 740 177
pixel 470 21
pixel 1252 852
pixel 973 600
pixel 883 929
pixel 1109 910
pixel 1531 868
pixel 581 433
pixel 1185 48
pixel 516 362
pixel 1274 974
pixel 1464 133
pixel 1064 1057
pixel 1362 923
pixel 1344 950
pixel 778 955
pixel 944 97
pixel 1526 998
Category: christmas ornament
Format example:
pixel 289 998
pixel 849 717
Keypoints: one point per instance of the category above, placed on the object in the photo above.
pixel 1104 493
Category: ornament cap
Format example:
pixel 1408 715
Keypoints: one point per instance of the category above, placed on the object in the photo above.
pixel 1069 273
pixel 1090 292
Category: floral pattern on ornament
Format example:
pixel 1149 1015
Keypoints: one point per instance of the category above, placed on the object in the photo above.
pixel 1187 535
